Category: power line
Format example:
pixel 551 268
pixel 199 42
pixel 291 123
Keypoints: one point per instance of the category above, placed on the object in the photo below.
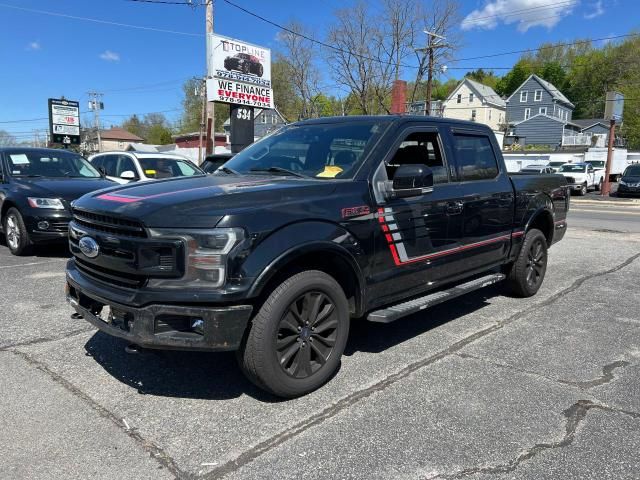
pixel 96 20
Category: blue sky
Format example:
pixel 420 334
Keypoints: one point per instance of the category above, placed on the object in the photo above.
pixel 46 56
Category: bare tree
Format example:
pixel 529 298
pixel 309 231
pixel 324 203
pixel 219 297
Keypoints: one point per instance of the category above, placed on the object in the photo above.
pixel 352 63
pixel 299 56
pixel 439 19
pixel 6 139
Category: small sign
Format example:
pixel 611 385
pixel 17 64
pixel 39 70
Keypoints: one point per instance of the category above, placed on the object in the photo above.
pixel 242 127
pixel 64 121
pixel 614 106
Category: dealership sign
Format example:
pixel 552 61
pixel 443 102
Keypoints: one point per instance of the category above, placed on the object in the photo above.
pixel 64 121
pixel 240 71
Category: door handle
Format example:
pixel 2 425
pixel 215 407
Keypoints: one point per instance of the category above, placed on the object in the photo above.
pixel 454 208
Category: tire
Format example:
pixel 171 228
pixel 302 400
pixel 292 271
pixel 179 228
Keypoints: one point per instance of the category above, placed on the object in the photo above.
pixel 286 356
pixel 15 233
pixel 599 186
pixel 527 273
pixel 583 191
pixel 260 70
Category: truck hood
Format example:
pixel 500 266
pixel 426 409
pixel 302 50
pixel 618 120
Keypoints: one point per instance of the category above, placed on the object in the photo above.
pixel 201 202
pixel 68 189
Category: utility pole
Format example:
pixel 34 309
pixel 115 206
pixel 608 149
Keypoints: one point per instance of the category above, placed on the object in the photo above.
pixel 95 104
pixel 606 185
pixel 433 42
pixel 211 119
pixel 203 117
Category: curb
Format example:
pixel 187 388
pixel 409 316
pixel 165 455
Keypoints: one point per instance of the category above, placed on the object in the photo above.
pixel 632 203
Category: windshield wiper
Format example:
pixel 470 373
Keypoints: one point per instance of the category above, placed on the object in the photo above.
pixel 279 170
pixel 227 170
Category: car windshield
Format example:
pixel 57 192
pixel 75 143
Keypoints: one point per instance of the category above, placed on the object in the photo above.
pixel 597 164
pixel 168 167
pixel 572 168
pixel 531 170
pixel 322 151
pixel 49 164
pixel 632 171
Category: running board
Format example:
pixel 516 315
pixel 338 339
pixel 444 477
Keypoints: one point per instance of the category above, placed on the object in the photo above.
pixel 390 314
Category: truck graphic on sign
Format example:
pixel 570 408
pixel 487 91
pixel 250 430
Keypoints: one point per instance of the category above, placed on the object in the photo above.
pixel 245 63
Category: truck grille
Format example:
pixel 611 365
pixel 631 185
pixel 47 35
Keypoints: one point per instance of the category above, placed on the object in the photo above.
pixel 570 179
pixel 108 224
pixel 110 277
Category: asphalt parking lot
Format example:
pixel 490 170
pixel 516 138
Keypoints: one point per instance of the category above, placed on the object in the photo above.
pixel 486 387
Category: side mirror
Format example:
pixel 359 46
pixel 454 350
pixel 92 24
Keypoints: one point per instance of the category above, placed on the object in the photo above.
pixel 128 175
pixel 412 181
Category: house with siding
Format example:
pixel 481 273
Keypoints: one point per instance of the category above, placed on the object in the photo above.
pixel 471 100
pixel 539 114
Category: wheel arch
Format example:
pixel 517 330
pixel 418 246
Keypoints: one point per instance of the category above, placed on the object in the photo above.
pixel 324 256
pixel 542 219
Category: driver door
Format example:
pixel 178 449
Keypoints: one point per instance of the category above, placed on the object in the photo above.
pixel 414 239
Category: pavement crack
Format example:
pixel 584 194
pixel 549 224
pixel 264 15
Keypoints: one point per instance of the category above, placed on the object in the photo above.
pixel 256 451
pixel 606 377
pixel 54 338
pixel 574 415
pixel 148 446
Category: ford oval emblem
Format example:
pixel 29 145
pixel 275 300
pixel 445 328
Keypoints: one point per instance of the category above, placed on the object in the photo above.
pixel 89 247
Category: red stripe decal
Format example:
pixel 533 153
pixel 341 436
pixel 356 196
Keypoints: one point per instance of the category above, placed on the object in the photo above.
pixel 116 198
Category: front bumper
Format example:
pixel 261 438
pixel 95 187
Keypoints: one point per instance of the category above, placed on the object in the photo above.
pixel 163 326
pixel 57 224
pixel 628 190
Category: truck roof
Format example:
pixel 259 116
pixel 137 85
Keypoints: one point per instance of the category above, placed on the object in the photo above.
pixel 395 118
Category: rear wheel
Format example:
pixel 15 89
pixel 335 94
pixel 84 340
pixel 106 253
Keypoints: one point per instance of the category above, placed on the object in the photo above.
pixel 15 232
pixel 296 340
pixel 527 272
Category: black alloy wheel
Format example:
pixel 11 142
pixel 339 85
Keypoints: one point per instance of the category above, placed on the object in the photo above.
pixel 536 263
pixel 526 274
pixel 307 334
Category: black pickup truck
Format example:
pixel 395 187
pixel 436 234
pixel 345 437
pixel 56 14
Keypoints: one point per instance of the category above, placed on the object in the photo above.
pixel 322 222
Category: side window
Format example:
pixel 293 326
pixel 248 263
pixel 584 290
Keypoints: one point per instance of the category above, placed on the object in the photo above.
pixel 420 148
pixel 110 164
pixel 125 164
pixel 475 157
pixel 97 163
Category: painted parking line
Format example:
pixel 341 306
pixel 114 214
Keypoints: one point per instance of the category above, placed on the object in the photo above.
pixel 31 263
pixel 615 212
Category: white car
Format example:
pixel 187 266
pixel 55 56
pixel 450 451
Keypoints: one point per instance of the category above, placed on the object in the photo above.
pixel 582 176
pixel 125 167
pixel 537 168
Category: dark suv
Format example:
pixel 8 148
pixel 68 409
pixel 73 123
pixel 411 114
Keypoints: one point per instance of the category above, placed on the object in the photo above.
pixel 37 186
pixel 245 63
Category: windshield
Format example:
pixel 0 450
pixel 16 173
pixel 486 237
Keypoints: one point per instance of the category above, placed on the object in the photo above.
pixel 168 167
pixel 322 151
pixel 49 164
pixel 597 164
pixel 632 171
pixel 572 168
pixel 531 170
pixel 556 164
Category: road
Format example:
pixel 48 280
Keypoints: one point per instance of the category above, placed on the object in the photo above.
pixel 613 217
pixel 487 387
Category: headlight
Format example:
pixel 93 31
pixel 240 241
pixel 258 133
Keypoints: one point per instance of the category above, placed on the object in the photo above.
pixel 52 203
pixel 206 256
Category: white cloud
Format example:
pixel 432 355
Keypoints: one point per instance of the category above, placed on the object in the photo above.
pixel 525 13
pixel 33 46
pixel 110 56
pixel 597 10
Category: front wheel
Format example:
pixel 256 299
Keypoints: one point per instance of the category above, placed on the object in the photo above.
pixel 296 340
pixel 15 232
pixel 527 272
pixel 599 186
pixel 583 190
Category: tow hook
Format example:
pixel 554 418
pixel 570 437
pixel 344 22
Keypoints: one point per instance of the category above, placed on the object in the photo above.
pixel 76 315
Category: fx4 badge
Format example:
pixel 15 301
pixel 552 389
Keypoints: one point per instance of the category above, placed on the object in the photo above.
pixel 355 211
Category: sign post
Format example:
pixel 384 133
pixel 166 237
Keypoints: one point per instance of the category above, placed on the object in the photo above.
pixel 240 75
pixel 614 106
pixel 64 121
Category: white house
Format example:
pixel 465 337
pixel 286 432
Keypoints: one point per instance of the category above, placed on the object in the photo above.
pixel 474 101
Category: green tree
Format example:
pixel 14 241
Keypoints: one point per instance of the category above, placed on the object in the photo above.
pixel 134 125
pixel 191 105
pixel 516 76
pixel 159 135
pixel 485 77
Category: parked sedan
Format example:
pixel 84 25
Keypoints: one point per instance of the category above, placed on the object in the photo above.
pixel 125 167
pixel 37 186
pixel 630 182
